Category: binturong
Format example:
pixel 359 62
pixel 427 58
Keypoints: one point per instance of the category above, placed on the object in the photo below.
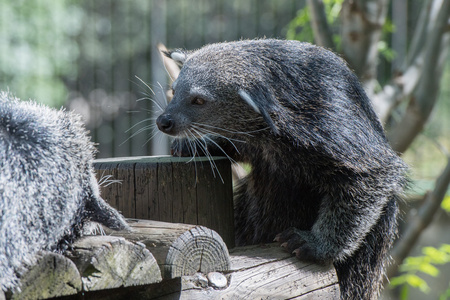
pixel 48 189
pixel 324 181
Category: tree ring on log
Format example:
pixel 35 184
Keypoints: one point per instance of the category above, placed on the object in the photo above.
pixel 199 249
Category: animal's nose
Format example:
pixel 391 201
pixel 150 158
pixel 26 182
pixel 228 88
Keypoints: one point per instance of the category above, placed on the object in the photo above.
pixel 165 123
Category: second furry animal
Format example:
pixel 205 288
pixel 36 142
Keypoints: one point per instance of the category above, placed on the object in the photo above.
pixel 48 189
pixel 324 180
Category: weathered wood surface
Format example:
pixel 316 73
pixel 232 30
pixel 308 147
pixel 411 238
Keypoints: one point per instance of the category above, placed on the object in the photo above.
pixel 51 276
pixel 172 189
pixel 180 249
pixel 98 263
pixel 256 272
pixel 269 273
pixel 107 262
pixel 194 259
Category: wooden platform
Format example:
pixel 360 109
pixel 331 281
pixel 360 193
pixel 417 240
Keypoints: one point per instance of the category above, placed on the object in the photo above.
pixel 160 260
pixel 172 259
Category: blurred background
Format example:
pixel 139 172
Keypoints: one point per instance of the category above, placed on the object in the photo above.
pixel 85 55
pixel 93 57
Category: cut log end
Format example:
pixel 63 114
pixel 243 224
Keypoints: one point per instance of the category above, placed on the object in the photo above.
pixel 197 250
pixel 180 249
pixel 51 276
pixel 109 262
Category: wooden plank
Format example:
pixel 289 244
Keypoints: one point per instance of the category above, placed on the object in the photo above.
pixel 185 189
pixel 206 206
pixel 146 189
pixel 330 292
pixel 126 190
pixel 177 194
pixel 214 198
pixel 165 191
pixel 223 192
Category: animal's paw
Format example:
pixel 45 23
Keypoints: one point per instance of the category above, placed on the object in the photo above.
pixel 302 244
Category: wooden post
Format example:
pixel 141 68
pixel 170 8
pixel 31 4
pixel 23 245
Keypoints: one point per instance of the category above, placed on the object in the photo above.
pixel 172 189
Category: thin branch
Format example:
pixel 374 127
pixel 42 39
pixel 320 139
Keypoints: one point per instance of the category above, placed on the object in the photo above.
pixel 405 82
pixel 420 33
pixel 362 22
pixel 426 92
pixel 322 31
pixel 420 221
pixel 433 59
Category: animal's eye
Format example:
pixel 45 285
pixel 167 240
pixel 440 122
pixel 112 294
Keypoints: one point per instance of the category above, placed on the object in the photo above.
pixel 173 92
pixel 198 101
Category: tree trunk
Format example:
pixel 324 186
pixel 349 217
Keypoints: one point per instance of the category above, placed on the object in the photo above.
pixel 427 90
pixel 362 22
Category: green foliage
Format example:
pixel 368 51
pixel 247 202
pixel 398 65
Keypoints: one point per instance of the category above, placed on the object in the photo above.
pixel 446 203
pixel 300 27
pixel 386 51
pixel 50 48
pixel 446 294
pixel 37 47
pixel 383 47
pixel 425 264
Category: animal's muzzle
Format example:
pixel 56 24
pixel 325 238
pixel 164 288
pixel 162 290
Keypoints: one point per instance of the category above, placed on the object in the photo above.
pixel 165 123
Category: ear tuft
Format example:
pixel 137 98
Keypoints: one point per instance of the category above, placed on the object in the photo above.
pixel 262 103
pixel 246 97
pixel 177 55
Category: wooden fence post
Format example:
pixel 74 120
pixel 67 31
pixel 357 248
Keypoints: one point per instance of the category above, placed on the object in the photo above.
pixel 172 189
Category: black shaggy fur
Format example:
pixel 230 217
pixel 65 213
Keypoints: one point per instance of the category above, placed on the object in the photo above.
pixel 48 189
pixel 324 180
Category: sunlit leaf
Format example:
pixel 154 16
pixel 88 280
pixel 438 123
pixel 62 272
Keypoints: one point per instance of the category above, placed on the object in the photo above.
pixel 429 269
pixel 417 282
pixel 398 280
pixel 445 204
pixel 436 255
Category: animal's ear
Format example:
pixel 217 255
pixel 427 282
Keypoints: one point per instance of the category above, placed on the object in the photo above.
pixel 263 103
pixel 179 56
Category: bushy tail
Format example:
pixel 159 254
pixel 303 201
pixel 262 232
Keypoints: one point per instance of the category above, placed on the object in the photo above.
pixel 361 276
pixel 97 210
pixel 100 211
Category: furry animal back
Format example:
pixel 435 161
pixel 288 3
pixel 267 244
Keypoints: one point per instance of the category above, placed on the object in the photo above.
pixel 324 180
pixel 48 189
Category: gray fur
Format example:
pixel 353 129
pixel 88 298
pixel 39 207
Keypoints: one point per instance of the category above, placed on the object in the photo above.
pixel 324 180
pixel 48 189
